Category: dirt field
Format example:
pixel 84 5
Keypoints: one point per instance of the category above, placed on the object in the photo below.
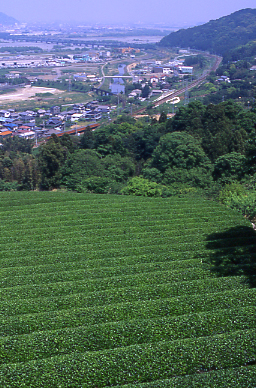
pixel 27 92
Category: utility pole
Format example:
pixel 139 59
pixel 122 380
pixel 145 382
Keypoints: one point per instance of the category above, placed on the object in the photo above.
pixel 69 83
pixel 186 99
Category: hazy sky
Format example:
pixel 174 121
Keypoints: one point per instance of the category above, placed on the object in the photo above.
pixel 172 12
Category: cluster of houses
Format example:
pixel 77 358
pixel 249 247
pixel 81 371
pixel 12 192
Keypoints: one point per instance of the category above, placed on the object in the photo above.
pixel 223 78
pixel 27 62
pixel 156 72
pixel 50 60
pixel 23 124
pixel 101 54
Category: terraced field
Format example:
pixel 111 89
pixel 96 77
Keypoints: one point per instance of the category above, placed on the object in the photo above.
pixel 99 291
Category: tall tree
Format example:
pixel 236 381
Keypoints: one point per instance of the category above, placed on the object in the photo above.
pixel 51 157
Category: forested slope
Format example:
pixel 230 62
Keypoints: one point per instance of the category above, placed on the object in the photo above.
pixel 217 36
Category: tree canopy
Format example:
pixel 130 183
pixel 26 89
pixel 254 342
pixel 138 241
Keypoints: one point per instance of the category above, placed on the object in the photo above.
pixel 217 36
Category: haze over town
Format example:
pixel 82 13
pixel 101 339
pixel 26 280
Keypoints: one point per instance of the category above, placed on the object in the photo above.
pixel 172 13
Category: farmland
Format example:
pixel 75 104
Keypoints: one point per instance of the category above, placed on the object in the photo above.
pixel 127 292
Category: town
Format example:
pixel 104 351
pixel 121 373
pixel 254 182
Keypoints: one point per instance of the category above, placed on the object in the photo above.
pixel 101 80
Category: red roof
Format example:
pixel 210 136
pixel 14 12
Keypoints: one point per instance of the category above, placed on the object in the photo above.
pixel 78 130
pixel 5 133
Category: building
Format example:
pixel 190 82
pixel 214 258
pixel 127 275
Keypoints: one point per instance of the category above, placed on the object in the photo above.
pixel 5 134
pixel 55 110
pixel 157 69
pixel 186 69
pixel 92 115
pixel 167 70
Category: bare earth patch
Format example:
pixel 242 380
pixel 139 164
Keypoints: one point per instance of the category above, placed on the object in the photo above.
pixel 27 92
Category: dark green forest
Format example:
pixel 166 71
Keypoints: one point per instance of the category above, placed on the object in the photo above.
pixel 209 149
pixel 242 52
pixel 217 36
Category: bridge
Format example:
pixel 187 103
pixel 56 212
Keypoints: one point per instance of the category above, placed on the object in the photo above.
pixel 118 76
pixel 102 92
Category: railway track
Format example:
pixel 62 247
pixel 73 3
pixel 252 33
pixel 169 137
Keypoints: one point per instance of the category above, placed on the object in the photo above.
pixel 184 89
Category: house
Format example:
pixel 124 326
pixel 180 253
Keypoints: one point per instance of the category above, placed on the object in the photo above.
pixel 79 108
pixel 31 113
pixel 26 134
pixel 76 116
pixel 186 69
pixel 11 126
pixel 92 104
pixel 27 117
pixel 224 78
pixel 5 134
pixel 14 115
pixel 55 110
pixel 167 70
pixel 24 128
pixel 157 69
pixel 103 108
pixel 156 92
pixel 154 79
pixel 54 122
pixel 135 93
pixel 92 115
pixel 80 77
pixel 18 122
pixel 91 77
pixel 66 115
pixel 41 112
pixel 5 113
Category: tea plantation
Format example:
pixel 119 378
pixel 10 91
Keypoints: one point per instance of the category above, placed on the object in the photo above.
pixel 126 292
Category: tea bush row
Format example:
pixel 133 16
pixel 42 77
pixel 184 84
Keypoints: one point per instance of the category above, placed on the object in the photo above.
pixel 45 344
pixel 131 364
pixel 243 377
pixel 73 312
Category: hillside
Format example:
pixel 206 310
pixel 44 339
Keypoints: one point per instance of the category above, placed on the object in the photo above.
pixel 7 20
pixel 217 36
pixel 244 52
pixel 100 291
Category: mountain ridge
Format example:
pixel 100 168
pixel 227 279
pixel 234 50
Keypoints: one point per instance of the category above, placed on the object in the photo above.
pixel 217 36
pixel 7 20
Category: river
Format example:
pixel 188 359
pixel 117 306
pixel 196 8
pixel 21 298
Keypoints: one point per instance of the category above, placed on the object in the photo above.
pixel 118 83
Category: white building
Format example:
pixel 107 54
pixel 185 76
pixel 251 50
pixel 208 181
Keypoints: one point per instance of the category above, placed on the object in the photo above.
pixel 186 69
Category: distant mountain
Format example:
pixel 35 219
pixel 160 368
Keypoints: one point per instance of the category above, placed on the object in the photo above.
pixel 7 20
pixel 217 36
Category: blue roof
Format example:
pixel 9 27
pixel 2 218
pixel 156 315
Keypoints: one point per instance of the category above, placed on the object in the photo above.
pixel 10 125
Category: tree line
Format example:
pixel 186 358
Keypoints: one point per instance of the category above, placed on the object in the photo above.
pixel 202 147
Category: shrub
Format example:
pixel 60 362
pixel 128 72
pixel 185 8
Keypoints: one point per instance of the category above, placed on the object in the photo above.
pixel 142 187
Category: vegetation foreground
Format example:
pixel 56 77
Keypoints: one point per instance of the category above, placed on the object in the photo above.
pixel 124 291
